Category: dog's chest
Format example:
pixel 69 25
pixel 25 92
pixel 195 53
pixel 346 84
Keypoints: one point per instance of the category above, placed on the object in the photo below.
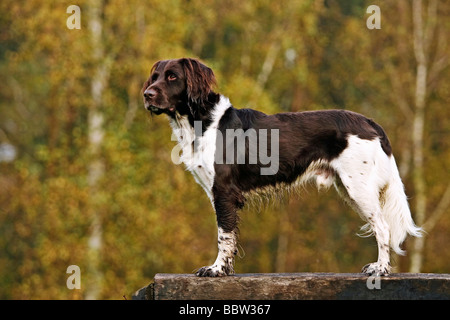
pixel 197 152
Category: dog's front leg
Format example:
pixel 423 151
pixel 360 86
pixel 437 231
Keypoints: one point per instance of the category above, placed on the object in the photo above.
pixel 227 218
pixel 224 264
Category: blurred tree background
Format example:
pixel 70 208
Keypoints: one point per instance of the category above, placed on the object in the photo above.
pixel 85 173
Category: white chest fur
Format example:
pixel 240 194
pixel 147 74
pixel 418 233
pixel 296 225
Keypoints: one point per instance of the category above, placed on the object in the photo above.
pixel 198 150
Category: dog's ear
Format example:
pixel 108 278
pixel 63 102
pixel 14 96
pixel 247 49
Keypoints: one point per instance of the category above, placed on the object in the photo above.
pixel 199 80
pixel 155 66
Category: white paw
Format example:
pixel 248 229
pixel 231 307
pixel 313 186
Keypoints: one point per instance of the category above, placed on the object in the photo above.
pixel 214 271
pixel 377 269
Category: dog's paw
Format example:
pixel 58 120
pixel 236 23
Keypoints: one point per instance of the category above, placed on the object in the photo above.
pixel 377 269
pixel 214 271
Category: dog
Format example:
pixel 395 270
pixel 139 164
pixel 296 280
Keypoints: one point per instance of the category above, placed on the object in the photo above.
pixel 234 153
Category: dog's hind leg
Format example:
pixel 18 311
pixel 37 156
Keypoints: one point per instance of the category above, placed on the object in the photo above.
pixel 361 176
pixel 366 202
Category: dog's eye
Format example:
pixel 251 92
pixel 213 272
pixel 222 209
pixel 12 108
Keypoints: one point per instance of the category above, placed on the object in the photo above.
pixel 171 77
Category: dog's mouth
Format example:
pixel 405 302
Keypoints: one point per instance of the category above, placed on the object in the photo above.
pixel 157 110
pixel 154 109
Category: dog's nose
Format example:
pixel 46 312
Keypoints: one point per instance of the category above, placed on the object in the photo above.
pixel 149 93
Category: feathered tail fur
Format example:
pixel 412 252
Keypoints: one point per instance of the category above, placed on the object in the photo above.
pixel 396 211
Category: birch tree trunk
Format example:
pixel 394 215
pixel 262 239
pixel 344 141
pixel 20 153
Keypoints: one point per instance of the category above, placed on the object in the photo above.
pixel 417 134
pixel 424 32
pixel 96 167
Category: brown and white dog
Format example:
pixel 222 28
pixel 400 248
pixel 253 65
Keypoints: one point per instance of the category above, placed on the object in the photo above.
pixel 233 153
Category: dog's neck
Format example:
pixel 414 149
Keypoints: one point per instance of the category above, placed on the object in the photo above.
pixel 198 110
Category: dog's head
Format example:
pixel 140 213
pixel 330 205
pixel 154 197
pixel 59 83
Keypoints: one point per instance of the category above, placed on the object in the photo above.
pixel 181 85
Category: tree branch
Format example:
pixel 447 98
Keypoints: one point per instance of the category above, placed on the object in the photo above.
pixel 418 33
pixel 268 64
pixel 442 206
pixel 430 26
pixel 399 92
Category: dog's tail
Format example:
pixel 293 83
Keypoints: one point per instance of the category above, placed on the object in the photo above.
pixel 396 210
